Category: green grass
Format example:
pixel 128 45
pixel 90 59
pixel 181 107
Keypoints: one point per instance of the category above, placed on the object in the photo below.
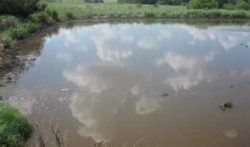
pixel 81 10
pixel 22 30
pixel 15 129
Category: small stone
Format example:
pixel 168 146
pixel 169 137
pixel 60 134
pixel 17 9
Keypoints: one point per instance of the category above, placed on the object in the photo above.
pixel 231 86
pixel 226 105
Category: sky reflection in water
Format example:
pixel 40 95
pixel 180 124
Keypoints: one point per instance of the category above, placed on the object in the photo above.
pixel 108 82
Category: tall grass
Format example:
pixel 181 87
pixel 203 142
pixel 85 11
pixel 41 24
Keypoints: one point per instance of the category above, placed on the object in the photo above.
pixel 21 31
pixel 82 10
pixel 15 129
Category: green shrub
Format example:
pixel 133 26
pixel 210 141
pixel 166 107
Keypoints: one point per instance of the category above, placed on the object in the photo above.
pixel 149 14
pixel 53 14
pixel 21 31
pixel 241 4
pixel 7 21
pixel 69 15
pixel 20 7
pixel 39 17
pixel 93 1
pixel 15 129
pixel 203 4
pixel 139 5
pixel 229 6
pixel 7 42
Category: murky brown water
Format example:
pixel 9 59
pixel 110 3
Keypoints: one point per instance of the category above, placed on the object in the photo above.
pixel 140 85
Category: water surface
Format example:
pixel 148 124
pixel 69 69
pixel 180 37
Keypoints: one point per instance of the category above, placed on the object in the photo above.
pixel 139 85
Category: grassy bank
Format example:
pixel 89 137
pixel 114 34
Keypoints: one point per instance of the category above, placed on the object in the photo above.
pixel 15 29
pixel 80 10
pixel 15 129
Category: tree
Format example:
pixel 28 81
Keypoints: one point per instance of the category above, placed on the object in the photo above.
pixel 20 7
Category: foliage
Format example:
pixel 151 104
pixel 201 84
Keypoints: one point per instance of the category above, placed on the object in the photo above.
pixel 241 4
pixel 39 17
pixel 7 21
pixel 93 1
pixel 229 6
pixel 203 4
pixel 20 7
pixel 149 14
pixel 15 129
pixel 226 4
pixel 69 15
pixel 139 10
pixel 7 42
pixel 164 2
pixel 53 14
pixel 22 30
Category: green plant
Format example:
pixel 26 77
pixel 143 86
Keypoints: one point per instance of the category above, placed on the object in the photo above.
pixel 22 30
pixel 241 4
pixel 7 42
pixel 149 14
pixel 7 21
pixel 203 4
pixel 69 15
pixel 229 6
pixel 53 14
pixel 139 5
pixel 15 129
pixel 20 7
pixel 39 17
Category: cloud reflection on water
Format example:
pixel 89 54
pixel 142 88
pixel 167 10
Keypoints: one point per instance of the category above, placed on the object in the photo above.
pixel 108 65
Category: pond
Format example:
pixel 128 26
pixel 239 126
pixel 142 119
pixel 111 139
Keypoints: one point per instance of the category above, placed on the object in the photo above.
pixel 138 84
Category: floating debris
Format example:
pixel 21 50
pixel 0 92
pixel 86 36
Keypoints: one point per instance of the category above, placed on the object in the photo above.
pixel 226 105
pixel 231 86
pixel 244 45
pixel 164 95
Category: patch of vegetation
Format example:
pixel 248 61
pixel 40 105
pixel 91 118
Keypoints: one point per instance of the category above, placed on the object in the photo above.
pixel 20 7
pixel 7 21
pixel 81 10
pixel 226 4
pixel 15 129
pixel 44 17
pixel 203 4
pixel 69 15
pixel 93 1
pixel 149 14
pixel 162 2
pixel 7 42
pixel 21 31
